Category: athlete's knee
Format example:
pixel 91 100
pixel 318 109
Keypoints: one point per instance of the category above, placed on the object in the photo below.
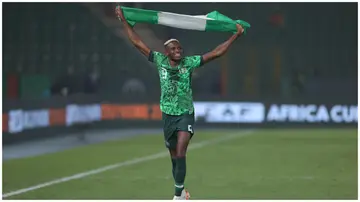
pixel 181 150
pixel 180 153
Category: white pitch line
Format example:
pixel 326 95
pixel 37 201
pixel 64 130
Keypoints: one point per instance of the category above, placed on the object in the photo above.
pixel 126 163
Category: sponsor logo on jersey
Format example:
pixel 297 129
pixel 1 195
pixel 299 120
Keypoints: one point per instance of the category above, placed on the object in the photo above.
pixel 182 70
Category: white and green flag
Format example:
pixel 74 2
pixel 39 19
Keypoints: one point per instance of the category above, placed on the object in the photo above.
pixel 213 21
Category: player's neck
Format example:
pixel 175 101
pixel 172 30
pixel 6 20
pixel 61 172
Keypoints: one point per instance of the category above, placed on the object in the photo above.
pixel 174 63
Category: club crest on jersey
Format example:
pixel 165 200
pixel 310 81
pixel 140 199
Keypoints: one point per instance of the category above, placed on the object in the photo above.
pixel 182 70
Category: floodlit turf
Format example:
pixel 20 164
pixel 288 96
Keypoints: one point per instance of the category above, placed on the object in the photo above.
pixel 264 164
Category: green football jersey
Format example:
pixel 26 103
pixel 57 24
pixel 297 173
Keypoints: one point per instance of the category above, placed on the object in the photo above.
pixel 176 93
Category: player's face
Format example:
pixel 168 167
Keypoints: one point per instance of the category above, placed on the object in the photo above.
pixel 174 51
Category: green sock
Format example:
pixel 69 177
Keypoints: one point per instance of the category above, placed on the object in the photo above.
pixel 180 173
pixel 173 161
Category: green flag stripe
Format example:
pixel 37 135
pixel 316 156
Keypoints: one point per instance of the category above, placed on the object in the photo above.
pixel 220 26
pixel 135 15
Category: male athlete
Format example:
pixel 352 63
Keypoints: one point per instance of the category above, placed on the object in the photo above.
pixel 176 101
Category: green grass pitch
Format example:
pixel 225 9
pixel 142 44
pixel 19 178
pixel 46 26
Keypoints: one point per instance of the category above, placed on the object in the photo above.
pixel 228 164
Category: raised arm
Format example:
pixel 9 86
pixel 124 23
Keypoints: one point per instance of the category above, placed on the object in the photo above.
pixel 222 48
pixel 134 38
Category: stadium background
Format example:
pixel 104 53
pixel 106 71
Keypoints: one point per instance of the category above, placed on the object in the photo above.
pixel 68 68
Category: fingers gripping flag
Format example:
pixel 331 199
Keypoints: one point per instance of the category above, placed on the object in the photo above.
pixel 213 21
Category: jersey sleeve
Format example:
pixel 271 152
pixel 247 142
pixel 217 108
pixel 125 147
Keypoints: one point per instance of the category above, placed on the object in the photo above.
pixel 156 57
pixel 194 61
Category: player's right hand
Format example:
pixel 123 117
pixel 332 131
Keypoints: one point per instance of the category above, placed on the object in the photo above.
pixel 240 30
pixel 119 13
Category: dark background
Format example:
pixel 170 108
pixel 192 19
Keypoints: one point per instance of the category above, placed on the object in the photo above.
pixel 56 54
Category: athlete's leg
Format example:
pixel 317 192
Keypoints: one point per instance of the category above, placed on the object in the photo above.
pixel 183 139
pixel 170 139
pixel 173 160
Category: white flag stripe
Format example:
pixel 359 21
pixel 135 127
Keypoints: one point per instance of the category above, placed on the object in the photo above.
pixel 182 21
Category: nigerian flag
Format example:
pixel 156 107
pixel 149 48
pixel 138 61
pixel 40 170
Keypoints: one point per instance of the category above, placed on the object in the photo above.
pixel 213 21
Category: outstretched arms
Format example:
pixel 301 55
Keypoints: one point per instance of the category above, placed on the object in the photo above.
pixel 145 50
pixel 222 48
pixel 134 38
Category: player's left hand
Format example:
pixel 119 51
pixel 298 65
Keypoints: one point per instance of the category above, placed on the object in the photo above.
pixel 240 30
pixel 119 13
